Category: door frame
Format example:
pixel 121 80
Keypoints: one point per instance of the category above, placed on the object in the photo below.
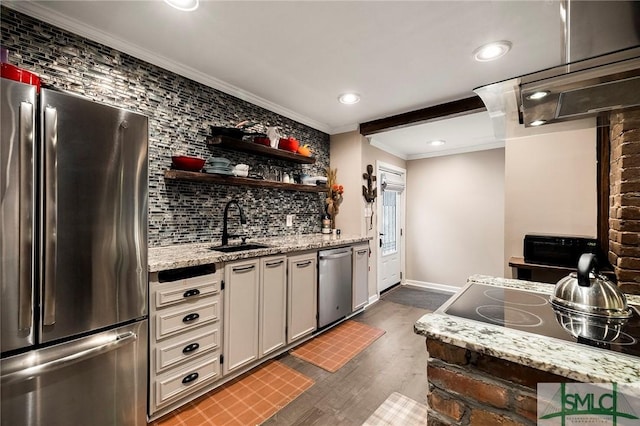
pixel 381 167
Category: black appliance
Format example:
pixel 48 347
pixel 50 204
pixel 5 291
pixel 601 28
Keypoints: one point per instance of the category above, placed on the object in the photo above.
pixel 532 312
pixel 558 250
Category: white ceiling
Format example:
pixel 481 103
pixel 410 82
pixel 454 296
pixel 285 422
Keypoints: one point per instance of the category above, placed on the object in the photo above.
pixel 473 132
pixel 296 57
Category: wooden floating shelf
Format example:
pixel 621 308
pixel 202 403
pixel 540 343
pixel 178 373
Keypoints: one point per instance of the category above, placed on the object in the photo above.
pixel 232 180
pixel 254 148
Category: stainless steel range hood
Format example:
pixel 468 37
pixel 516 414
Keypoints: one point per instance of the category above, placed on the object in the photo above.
pixel 584 88
pixel 600 68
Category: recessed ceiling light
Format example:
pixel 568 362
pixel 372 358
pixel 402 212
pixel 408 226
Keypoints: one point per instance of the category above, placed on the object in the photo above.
pixel 491 51
pixel 538 95
pixel 537 123
pixel 349 98
pixel 437 142
pixel 184 5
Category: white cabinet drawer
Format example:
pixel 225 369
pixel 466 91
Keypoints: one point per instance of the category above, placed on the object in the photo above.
pixel 182 381
pixel 187 289
pixel 187 317
pixel 187 346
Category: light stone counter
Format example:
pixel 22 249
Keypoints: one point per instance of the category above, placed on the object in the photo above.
pixel 572 360
pixel 195 254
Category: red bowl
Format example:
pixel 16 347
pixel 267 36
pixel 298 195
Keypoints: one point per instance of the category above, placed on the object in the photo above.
pixel 192 164
pixel 262 141
pixel 14 73
pixel 288 145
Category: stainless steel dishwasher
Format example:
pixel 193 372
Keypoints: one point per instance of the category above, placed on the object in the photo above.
pixel 334 285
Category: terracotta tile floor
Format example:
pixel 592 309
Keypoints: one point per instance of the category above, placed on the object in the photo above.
pixel 246 401
pixel 334 348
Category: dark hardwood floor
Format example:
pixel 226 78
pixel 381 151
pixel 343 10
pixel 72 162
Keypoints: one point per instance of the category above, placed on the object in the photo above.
pixel 396 362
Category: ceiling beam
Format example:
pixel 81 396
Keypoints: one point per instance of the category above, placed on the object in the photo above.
pixel 437 112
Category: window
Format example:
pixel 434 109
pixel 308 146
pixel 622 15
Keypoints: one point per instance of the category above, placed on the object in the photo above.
pixel 389 222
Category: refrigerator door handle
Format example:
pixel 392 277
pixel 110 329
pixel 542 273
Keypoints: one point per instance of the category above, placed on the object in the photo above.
pixel 51 198
pixel 40 369
pixel 25 290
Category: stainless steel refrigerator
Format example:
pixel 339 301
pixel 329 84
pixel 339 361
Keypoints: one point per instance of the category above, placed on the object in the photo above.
pixel 73 242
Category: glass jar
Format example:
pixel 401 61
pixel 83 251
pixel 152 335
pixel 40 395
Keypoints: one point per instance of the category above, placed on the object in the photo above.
pixel 326 224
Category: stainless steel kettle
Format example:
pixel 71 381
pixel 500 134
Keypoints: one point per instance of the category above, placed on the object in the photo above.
pixel 590 293
pixel 588 305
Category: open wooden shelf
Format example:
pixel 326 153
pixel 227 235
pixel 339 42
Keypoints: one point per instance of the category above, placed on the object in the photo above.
pixel 254 148
pixel 232 180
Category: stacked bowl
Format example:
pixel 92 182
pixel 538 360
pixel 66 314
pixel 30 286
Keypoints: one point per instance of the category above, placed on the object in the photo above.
pixel 219 165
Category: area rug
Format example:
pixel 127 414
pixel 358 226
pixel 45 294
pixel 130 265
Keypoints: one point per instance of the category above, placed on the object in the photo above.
pixel 417 297
pixel 248 400
pixel 334 348
pixel 398 410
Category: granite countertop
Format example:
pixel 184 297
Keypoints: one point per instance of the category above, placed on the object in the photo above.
pixel 183 255
pixel 572 360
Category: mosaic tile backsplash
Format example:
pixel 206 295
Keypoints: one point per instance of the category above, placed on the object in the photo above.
pixel 180 112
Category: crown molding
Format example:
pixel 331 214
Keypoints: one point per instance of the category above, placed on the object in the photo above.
pixel 344 129
pixel 461 150
pixel 408 157
pixel 49 16
pixel 386 148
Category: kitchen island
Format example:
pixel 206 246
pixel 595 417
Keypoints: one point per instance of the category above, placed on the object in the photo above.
pixel 196 254
pixel 481 373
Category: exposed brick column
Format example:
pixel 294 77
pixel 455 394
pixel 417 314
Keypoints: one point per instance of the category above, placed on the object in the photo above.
pixel 624 211
pixel 467 388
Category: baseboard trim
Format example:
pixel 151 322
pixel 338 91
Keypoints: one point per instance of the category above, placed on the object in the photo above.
pixel 433 286
pixel 372 299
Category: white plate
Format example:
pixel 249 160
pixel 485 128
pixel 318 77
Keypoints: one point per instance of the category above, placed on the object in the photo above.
pixel 218 171
pixel 218 162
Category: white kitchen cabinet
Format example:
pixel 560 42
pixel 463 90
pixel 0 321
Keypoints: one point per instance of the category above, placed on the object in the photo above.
pixel 185 316
pixel 360 282
pixel 241 314
pixel 273 304
pixel 302 285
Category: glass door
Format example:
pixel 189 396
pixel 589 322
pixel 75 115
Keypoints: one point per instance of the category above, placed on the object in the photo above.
pixel 390 229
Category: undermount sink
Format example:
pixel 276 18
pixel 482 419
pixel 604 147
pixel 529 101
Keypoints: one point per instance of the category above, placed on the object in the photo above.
pixel 240 247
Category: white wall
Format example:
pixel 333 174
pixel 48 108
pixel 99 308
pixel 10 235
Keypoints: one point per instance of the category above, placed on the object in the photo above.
pixel 351 153
pixel 455 217
pixel 468 213
pixel 345 155
pixel 550 185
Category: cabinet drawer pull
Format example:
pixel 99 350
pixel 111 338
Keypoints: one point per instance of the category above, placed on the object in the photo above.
pixel 362 251
pixel 191 293
pixel 303 264
pixel 244 269
pixel 190 378
pixel 191 317
pixel 190 348
pixel 272 264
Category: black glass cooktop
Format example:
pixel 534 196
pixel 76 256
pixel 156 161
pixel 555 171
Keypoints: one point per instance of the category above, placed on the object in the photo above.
pixel 532 312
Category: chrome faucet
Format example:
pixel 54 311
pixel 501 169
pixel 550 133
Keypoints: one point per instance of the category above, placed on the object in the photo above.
pixel 243 220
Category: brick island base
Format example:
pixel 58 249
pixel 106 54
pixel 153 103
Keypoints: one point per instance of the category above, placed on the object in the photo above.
pixel 469 388
pixel 482 374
